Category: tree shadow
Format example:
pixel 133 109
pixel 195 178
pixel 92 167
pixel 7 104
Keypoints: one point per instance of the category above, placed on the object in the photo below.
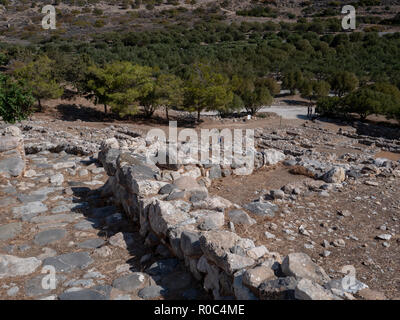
pixel 156 120
pixel 304 117
pixel 367 127
pixel 74 112
pixel 291 102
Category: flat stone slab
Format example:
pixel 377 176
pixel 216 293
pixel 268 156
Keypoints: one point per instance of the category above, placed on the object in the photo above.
pixel 69 207
pixel 27 198
pixel 57 225
pixel 91 243
pixel 29 211
pixel 85 294
pixel 49 236
pixel 11 266
pixel 13 165
pixel 34 287
pixel 63 217
pixel 69 261
pixel 261 208
pixel 86 225
pixel 131 282
pixel 9 190
pixel 9 143
pixel 10 231
pixel 6 201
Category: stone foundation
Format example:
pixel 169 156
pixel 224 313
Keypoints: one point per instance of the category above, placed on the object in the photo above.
pixel 181 215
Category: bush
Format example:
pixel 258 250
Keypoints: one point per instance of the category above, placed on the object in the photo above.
pixel 15 100
pixel 328 106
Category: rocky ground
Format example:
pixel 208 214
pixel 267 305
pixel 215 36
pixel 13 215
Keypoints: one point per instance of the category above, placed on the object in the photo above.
pixel 344 222
pixel 56 214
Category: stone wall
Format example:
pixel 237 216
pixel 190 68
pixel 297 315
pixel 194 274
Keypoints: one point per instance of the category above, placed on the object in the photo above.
pixel 12 154
pixel 198 228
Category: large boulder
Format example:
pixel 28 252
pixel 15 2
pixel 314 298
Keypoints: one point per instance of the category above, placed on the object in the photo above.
pixel 278 289
pixel 164 216
pixel 240 217
pixel 190 244
pixel 108 158
pixel 191 187
pixel 272 157
pixel 335 175
pixel 300 265
pixel 253 278
pixel 307 289
pixel 218 246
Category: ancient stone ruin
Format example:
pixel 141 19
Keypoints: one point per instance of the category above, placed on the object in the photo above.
pixel 68 186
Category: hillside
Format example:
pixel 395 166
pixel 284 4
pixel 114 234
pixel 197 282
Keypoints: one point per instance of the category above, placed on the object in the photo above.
pixel 21 19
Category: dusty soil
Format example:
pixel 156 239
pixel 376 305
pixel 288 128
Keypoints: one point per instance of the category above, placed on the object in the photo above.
pixel 243 189
pixel 370 207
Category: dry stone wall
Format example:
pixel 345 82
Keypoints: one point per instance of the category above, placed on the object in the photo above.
pixel 173 208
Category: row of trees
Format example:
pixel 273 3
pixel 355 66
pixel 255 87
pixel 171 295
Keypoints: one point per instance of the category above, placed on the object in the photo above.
pixel 339 83
pixel 126 88
pixel 247 59
pixel 379 98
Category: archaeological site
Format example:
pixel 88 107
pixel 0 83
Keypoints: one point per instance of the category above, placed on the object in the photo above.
pixel 199 150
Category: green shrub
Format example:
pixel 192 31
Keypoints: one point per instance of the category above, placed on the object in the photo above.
pixel 15 100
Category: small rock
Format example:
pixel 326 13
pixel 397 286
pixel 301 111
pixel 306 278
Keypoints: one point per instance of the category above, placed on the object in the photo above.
pixel 326 253
pixel 57 179
pixel 339 243
pixel 384 237
pixel 12 292
pixel 269 235
pixel 121 240
pixel 277 194
pixel 344 213
pixel 103 252
pixel 240 217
